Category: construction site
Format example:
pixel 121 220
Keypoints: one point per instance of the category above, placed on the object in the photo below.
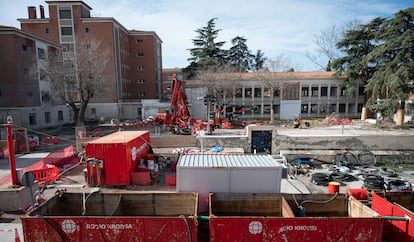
pixel 176 178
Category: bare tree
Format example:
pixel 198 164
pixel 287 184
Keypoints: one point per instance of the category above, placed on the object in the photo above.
pixel 326 44
pixel 220 82
pixel 77 77
pixel 273 76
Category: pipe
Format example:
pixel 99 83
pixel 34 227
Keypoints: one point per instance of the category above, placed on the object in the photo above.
pixel 396 218
pixel 203 218
pixel 12 160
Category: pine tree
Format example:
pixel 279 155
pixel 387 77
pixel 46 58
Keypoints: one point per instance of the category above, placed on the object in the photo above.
pixel 207 51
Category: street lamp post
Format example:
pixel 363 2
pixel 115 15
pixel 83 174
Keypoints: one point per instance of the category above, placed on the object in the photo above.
pixel 10 143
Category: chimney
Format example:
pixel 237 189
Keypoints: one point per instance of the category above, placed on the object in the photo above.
pixel 42 11
pixel 32 12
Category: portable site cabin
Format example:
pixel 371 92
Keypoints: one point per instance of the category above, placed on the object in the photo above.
pixel 205 173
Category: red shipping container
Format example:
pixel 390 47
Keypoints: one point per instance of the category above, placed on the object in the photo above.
pixel 120 153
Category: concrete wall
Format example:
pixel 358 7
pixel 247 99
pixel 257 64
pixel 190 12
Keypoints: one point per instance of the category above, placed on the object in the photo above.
pixel 385 148
pixel 390 143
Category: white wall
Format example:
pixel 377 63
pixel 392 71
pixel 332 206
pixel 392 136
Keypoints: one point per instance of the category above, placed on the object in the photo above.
pixel 289 108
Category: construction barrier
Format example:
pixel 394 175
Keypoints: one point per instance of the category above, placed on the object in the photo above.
pixel 50 173
pixel 48 140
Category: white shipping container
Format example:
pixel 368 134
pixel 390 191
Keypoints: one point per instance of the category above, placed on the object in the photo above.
pixel 205 173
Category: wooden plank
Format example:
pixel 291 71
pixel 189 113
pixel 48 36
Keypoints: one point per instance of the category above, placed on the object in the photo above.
pixel 287 211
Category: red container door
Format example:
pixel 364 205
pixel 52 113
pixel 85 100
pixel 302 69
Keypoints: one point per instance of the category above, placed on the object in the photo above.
pixel 116 165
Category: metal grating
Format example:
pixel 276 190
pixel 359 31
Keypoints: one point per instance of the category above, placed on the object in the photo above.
pixel 217 161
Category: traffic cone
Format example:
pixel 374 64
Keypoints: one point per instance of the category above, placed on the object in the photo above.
pixel 16 235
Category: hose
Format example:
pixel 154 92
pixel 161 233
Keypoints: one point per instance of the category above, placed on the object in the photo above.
pixel 84 200
pixel 320 202
pixel 320 179
pixel 188 227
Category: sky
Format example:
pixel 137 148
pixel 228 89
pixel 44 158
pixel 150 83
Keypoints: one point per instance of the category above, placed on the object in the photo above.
pixel 285 28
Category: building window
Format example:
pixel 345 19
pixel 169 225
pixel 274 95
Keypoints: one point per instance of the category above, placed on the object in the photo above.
pixel 86 30
pixel 324 91
pixel 45 96
pixel 141 81
pixel 361 91
pixel 314 108
pixel 342 108
pixel 334 91
pixel 68 48
pixel 304 108
pixel 41 53
pixel 305 91
pixel 247 92
pixel 142 94
pixel 48 117
pixel 139 113
pixel 238 92
pixel 46 30
pixel 24 47
pixel 140 68
pixel 351 108
pixel 257 92
pixel 140 41
pixel 333 108
pixel 65 14
pixel 315 91
pixel 66 31
pixel 140 54
pixel 343 91
pixel 292 92
pixel 32 118
pixel 60 115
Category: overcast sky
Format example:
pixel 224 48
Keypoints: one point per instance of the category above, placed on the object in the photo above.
pixel 276 27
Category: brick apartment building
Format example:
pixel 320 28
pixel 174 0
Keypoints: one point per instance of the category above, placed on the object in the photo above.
pixel 23 95
pixel 133 72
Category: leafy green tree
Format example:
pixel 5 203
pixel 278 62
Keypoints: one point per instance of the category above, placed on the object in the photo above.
pixel 258 61
pixel 394 57
pixel 239 54
pixel 356 44
pixel 207 51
